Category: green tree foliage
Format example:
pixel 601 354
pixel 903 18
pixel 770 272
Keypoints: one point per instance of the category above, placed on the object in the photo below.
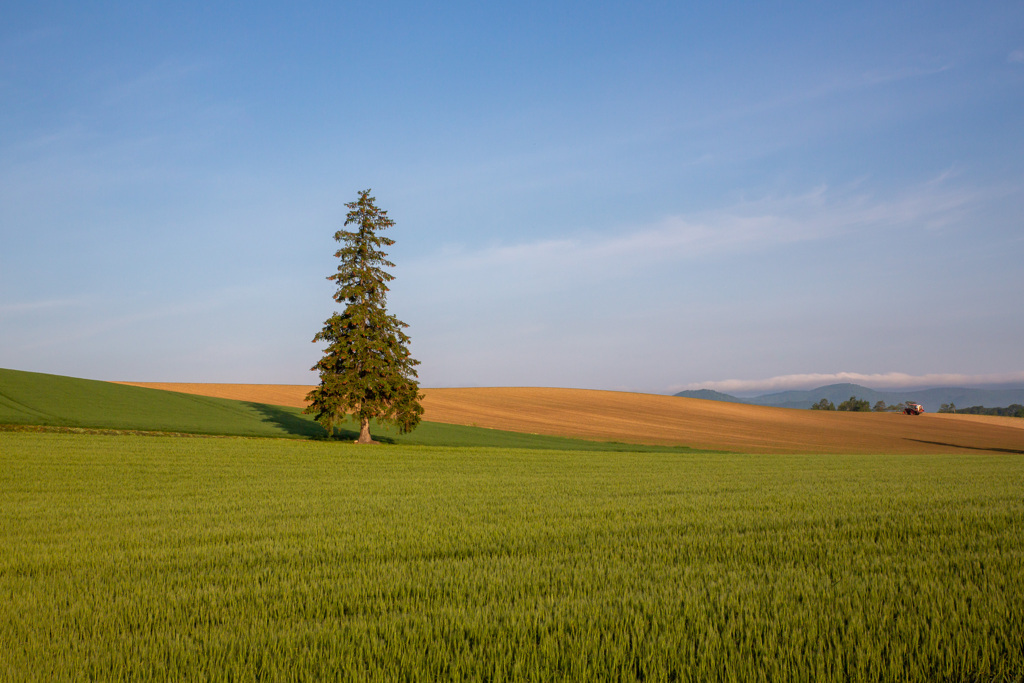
pixel 824 404
pixel 366 370
pixel 1012 410
pixel 879 407
pixel 855 405
pixel 947 408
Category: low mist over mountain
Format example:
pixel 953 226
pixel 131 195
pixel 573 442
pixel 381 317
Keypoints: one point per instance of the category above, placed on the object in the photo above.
pixel 931 399
pixel 710 395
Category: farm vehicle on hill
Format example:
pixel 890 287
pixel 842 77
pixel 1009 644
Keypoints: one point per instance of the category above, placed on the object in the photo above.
pixel 911 408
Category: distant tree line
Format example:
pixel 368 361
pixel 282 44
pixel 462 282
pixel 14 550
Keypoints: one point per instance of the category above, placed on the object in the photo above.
pixel 857 405
pixel 1013 410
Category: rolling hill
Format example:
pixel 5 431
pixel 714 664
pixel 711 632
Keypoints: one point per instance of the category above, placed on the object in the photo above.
pixel 30 398
pixel 35 399
pixel 668 420
pixel 509 417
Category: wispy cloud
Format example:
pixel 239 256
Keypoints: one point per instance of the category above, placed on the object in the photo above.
pixel 837 85
pixel 750 225
pixel 1016 57
pixel 902 73
pixel 162 78
pixel 18 42
pixel 889 380
pixel 22 307
pixel 101 318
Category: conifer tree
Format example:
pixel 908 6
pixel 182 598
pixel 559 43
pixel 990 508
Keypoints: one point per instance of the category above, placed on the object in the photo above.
pixel 366 370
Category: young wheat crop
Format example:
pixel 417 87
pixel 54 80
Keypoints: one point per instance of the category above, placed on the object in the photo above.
pixel 138 558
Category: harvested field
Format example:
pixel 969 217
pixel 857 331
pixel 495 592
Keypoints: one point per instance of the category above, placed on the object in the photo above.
pixel 998 420
pixel 656 419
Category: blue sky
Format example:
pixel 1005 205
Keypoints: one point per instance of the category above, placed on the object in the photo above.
pixel 733 195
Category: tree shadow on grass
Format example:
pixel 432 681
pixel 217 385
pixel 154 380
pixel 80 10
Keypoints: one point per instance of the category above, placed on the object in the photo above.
pixel 297 424
pixel 289 421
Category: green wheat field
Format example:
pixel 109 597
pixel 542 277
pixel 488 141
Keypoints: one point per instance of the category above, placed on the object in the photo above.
pixel 134 557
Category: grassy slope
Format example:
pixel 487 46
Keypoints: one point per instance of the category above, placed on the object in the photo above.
pixel 29 398
pixel 139 558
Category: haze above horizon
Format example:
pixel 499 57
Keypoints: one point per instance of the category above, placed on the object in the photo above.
pixel 650 198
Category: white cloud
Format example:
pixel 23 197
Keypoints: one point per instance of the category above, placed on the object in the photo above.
pixel 889 380
pixel 750 225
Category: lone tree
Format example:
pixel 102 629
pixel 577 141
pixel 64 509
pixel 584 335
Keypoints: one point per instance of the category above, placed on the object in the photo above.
pixel 366 370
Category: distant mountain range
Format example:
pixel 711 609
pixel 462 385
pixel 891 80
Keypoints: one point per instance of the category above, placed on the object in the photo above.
pixel 931 399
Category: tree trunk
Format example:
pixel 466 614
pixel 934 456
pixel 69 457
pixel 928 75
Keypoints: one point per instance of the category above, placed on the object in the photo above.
pixel 364 432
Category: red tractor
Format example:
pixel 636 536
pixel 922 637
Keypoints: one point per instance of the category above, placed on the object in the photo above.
pixel 912 408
